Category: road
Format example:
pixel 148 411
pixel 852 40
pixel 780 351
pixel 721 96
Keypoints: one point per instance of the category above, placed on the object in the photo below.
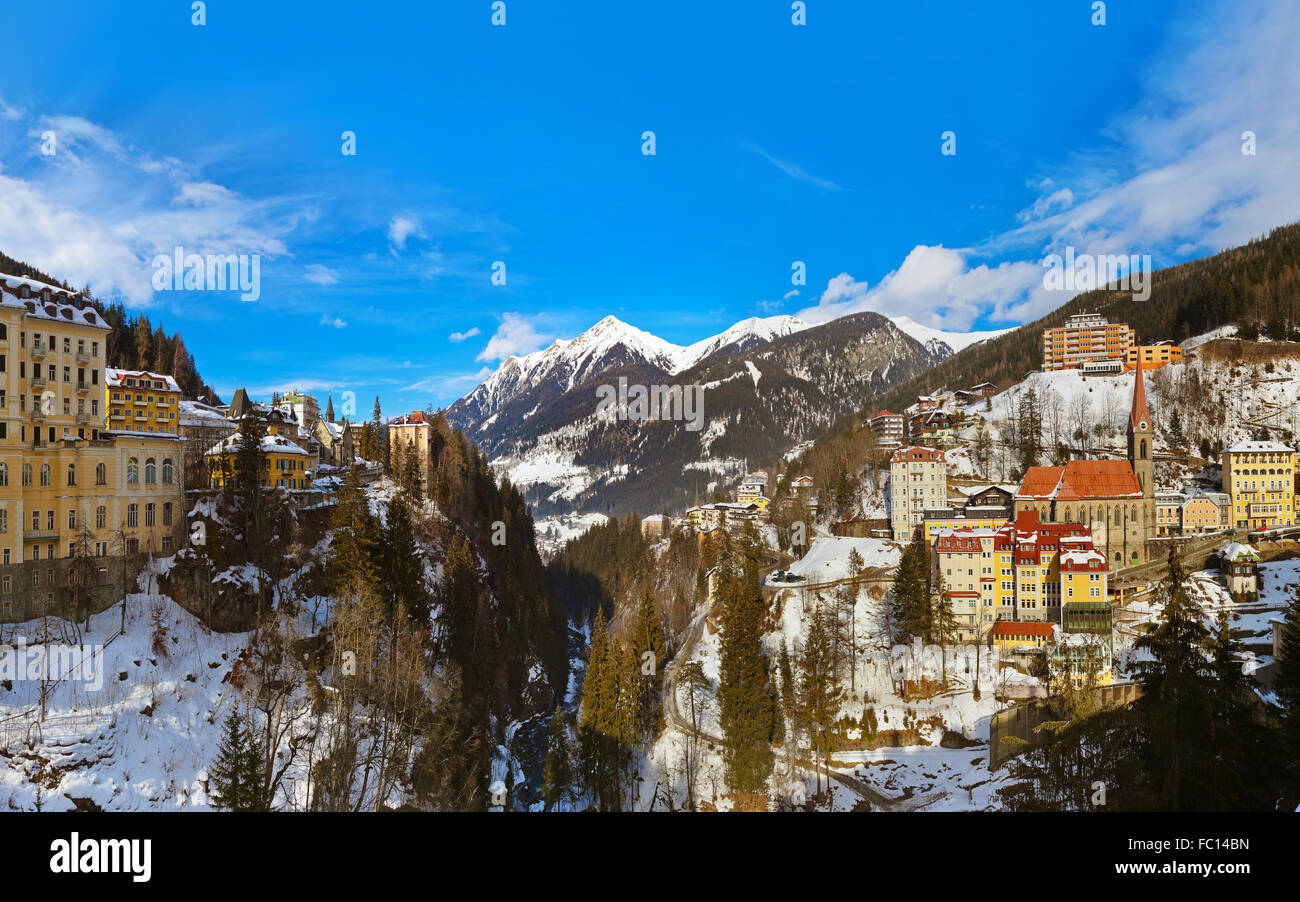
pixel 878 800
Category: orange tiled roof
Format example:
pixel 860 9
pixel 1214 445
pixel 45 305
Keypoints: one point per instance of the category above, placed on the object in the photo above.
pixel 1080 480
pixel 1022 628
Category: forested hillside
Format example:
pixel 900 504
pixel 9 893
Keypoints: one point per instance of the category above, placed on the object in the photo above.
pixel 133 342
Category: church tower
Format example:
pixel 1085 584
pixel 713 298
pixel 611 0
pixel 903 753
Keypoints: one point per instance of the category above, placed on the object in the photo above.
pixel 329 408
pixel 1141 435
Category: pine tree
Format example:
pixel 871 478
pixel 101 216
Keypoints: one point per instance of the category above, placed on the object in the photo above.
pixel 820 692
pixel 557 769
pixel 650 655
pixel 235 782
pixel 1176 704
pixel 1286 685
pixel 746 705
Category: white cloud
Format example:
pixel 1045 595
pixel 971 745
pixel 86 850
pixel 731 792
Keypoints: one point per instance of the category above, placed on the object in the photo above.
pixel 12 113
pixel 792 293
pixel 792 169
pixel 98 211
pixel 402 227
pixel 1173 184
pixel 438 384
pixel 458 337
pixel 320 275
pixel 515 336
pixel 334 321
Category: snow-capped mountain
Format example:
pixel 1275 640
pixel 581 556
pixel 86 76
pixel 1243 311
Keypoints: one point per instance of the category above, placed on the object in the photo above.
pixel 939 341
pixel 767 383
pixel 609 344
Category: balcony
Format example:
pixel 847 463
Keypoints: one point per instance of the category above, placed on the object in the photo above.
pixel 40 535
pixel 83 417
pixel 39 381
pixel 83 356
pixel 38 350
pixel 83 386
pixel 38 415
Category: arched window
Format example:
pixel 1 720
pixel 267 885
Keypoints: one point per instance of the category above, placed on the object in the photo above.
pixel 1143 454
pixel 1133 514
pixel 72 474
pixel 168 471
pixel 133 471
pixel 101 474
pixel 45 474
pixel 4 474
pixel 1069 514
pixel 27 475
pixel 150 471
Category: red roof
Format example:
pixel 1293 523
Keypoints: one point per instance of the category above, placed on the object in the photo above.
pixel 916 452
pixel 1080 480
pixel 407 419
pixel 1036 628
pixel 886 413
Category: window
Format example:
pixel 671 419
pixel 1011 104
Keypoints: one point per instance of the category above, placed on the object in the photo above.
pixel 72 474
pixel 4 474
pixel 101 516
pixel 101 474
pixel 133 471
pixel 133 515
pixel 149 514
pixel 45 474
pixel 150 471
pixel 27 475
pixel 167 514
pixel 72 520
pixel 167 471
pixel 4 520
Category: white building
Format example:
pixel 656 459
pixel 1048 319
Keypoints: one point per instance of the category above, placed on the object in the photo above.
pixel 918 479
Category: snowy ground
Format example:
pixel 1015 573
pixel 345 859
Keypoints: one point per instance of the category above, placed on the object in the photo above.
pixel 828 557
pixel 138 736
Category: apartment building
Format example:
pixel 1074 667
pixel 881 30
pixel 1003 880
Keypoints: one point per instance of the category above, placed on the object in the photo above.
pixel 1085 338
pixel 918 480
pixel 81 504
pixel 1014 572
pixel 139 401
pixel 887 428
pixel 1260 479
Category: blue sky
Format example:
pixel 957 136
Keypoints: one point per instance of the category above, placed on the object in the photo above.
pixel 522 144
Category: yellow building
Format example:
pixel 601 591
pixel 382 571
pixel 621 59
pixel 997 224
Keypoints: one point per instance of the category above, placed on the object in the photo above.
pixel 141 401
pixel 75 497
pixel 1153 356
pixel 1010 636
pixel 1260 479
pixel 287 465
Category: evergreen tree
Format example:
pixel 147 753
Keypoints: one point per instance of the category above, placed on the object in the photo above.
pixel 820 692
pixel 235 781
pixel 557 769
pixel 651 654
pixel 746 704
pixel 1286 685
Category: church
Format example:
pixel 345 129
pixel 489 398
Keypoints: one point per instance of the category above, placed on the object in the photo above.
pixel 1115 499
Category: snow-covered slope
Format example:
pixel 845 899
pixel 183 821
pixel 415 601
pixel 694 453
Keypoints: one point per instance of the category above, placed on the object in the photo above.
pixel 934 338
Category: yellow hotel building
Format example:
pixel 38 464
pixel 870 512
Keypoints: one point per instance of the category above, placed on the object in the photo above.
pixel 75 496
pixel 287 465
pixel 1259 477
pixel 141 401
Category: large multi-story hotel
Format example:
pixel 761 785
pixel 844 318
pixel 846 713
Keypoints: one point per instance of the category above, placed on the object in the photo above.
pixel 918 480
pixel 76 494
pixel 1259 477
pixel 1085 338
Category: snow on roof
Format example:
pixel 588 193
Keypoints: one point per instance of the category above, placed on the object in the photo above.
pixel 1083 560
pixel 653 518
pixel 114 378
pixel 277 444
pixel 48 302
pixel 1236 551
pixel 1245 447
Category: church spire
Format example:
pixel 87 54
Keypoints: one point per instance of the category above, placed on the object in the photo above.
pixel 1140 416
pixel 329 408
